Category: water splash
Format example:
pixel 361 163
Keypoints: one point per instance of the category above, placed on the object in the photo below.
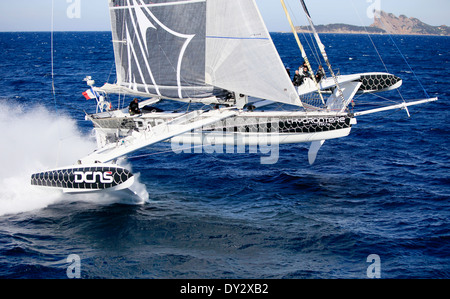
pixel 35 140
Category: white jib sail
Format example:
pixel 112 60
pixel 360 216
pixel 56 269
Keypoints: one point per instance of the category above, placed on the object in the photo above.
pixel 240 54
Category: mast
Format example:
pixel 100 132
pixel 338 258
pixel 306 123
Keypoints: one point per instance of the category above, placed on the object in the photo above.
pixel 322 51
pixel 305 57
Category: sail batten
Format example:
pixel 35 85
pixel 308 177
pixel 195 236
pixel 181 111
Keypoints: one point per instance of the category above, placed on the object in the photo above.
pixel 238 38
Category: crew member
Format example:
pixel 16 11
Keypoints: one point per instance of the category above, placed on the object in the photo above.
pixel 134 107
pixel 320 74
pixel 298 79
pixel 305 73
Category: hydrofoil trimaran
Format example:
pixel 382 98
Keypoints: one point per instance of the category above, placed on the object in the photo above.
pixel 215 52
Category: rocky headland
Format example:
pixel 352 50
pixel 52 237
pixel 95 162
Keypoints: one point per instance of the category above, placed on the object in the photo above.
pixel 384 23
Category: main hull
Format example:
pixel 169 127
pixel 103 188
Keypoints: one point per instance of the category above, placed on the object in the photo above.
pixel 246 128
pixel 215 138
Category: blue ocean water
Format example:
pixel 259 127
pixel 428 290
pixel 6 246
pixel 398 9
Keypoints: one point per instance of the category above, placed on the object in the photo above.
pixel 384 190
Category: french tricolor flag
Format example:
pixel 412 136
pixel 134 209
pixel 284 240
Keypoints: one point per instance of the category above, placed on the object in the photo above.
pixel 90 94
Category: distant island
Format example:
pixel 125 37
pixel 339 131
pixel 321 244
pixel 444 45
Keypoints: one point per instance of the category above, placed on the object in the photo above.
pixel 384 23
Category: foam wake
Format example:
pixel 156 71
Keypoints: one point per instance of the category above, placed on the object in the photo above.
pixel 36 140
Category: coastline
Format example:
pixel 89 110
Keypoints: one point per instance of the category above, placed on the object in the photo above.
pixel 282 32
pixel 365 33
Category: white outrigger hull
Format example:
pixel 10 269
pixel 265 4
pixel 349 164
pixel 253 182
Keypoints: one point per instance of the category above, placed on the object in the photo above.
pixel 373 82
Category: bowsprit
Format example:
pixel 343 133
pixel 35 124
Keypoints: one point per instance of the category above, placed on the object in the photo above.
pixel 88 178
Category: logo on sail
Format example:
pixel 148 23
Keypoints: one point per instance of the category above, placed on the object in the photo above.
pixel 151 55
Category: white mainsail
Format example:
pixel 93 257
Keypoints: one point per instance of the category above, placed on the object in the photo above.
pixel 196 49
pixel 159 47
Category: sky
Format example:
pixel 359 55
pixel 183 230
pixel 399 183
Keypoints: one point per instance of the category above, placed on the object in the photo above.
pixel 93 15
